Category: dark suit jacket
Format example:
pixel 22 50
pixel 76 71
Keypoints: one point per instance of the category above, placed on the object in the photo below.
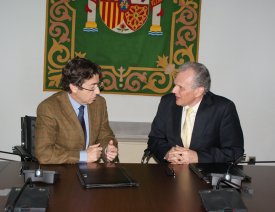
pixel 59 136
pixel 217 135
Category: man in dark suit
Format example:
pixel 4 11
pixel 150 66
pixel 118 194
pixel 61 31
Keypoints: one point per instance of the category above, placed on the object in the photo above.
pixel 59 134
pixel 215 133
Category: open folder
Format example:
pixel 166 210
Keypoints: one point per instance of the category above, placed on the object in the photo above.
pixel 96 175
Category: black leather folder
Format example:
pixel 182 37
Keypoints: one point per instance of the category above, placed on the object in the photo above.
pixel 104 176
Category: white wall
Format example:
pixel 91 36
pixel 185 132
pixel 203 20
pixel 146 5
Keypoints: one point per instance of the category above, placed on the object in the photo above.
pixel 236 44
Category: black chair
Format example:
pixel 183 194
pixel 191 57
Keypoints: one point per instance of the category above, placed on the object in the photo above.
pixel 147 155
pixel 26 149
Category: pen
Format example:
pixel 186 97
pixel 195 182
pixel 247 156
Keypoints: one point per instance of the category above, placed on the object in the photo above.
pixel 170 171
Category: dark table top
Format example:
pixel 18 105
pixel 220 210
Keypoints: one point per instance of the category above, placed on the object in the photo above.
pixel 156 190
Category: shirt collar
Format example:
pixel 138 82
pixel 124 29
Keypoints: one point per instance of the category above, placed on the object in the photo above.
pixel 75 104
pixel 194 108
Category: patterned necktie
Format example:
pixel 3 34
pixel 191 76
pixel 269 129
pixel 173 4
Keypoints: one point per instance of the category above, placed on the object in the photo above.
pixel 82 122
pixel 186 132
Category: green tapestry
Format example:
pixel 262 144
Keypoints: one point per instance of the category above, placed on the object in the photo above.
pixel 139 44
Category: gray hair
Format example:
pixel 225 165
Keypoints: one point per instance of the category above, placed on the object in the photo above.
pixel 202 75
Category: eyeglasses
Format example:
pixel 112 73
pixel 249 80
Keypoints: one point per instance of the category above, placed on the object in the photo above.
pixel 99 85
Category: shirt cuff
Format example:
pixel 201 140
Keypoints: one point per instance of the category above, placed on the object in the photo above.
pixel 83 156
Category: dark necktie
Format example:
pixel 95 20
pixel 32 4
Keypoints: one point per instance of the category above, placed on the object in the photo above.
pixel 82 122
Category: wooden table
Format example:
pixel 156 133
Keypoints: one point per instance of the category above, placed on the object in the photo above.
pixel 156 191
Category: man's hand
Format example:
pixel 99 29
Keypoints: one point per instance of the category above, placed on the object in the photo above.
pixel 181 155
pixel 174 156
pixel 111 151
pixel 93 153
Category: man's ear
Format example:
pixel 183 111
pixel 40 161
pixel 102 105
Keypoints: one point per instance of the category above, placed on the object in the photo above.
pixel 73 88
pixel 199 91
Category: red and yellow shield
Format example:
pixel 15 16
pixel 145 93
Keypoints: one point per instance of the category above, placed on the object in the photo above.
pixel 124 16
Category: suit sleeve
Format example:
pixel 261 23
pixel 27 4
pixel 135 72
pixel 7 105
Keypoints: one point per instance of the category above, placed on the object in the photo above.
pixel 230 144
pixel 105 133
pixel 46 148
pixel 158 142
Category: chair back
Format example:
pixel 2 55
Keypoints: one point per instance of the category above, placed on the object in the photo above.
pixel 28 133
pixel 26 150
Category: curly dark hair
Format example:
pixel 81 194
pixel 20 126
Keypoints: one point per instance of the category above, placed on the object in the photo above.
pixel 76 71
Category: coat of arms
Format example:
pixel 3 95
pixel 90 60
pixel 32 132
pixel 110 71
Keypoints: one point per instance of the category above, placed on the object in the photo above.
pixel 124 16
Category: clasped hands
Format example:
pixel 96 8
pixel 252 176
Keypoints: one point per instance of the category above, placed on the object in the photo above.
pixel 181 155
pixel 94 152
